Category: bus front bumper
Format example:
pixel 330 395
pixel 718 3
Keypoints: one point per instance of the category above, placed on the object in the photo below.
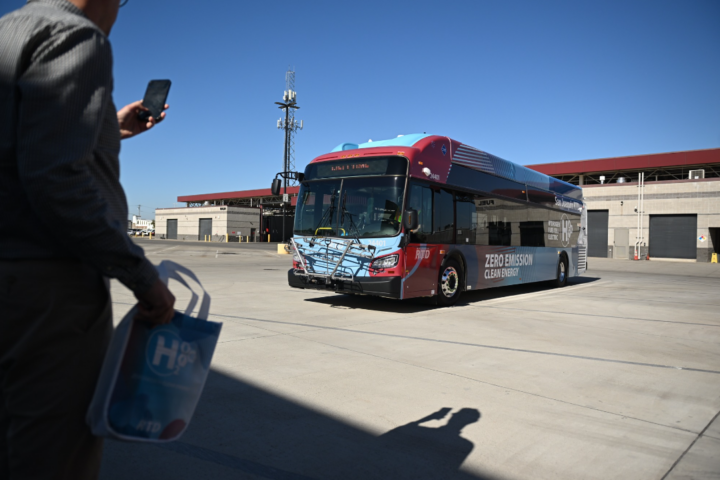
pixel 381 286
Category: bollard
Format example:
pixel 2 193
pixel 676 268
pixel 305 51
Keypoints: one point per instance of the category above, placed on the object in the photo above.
pixel 227 238
pixel 268 238
pixel 714 258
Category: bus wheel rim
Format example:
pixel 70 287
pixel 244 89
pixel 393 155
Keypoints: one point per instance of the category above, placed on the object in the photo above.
pixel 449 282
pixel 562 271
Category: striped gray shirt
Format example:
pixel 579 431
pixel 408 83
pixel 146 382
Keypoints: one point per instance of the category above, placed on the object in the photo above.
pixel 59 144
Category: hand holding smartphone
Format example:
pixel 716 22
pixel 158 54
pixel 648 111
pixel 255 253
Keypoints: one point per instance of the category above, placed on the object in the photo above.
pixel 155 98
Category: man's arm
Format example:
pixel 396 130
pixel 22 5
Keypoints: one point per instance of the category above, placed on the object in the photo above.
pixel 439 415
pixel 64 93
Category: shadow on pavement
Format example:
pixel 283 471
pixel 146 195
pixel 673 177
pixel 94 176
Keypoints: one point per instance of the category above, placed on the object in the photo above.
pixel 242 431
pixel 415 305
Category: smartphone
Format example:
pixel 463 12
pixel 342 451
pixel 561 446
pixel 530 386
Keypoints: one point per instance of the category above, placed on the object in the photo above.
pixel 155 98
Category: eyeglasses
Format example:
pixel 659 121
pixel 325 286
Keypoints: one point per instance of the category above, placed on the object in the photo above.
pixel 123 3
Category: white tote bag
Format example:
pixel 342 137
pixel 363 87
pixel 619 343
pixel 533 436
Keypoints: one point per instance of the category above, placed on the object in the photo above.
pixel 152 376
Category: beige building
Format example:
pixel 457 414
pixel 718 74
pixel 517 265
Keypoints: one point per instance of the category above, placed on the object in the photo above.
pixel 683 215
pixel 208 222
pixel 678 217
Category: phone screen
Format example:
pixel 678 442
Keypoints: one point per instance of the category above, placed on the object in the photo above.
pixel 155 98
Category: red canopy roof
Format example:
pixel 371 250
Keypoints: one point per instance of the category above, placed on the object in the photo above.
pixel 635 162
pixel 262 192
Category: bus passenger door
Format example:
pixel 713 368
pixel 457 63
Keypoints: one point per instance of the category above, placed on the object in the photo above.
pixel 421 270
pixel 421 267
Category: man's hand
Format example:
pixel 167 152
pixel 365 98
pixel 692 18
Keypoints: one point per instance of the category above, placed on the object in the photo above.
pixel 156 305
pixel 439 415
pixel 130 123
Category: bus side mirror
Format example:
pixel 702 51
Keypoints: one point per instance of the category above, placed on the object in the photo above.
pixel 410 220
pixel 275 188
pixel 300 177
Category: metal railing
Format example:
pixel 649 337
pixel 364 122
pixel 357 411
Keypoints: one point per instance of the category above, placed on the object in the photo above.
pixel 640 236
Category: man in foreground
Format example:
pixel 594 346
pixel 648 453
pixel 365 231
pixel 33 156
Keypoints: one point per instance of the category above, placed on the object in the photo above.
pixel 62 232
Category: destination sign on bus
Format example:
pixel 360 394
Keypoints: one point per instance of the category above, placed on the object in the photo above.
pixel 357 167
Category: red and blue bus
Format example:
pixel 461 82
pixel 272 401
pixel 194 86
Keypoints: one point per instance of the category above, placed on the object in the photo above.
pixel 427 216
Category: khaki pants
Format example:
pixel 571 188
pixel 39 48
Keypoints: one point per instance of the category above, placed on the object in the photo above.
pixel 55 325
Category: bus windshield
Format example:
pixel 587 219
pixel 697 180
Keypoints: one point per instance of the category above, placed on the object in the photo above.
pixel 353 207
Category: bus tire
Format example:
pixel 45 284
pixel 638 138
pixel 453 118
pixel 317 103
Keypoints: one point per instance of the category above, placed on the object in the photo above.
pixel 561 274
pixel 450 283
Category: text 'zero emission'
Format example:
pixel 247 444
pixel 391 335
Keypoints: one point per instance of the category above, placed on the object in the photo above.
pixel 508 260
pixel 494 264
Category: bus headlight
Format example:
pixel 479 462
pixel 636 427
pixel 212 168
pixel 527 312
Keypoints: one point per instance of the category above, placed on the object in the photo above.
pixel 296 257
pixel 385 262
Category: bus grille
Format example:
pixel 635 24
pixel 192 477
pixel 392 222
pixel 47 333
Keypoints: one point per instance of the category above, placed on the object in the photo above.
pixel 582 257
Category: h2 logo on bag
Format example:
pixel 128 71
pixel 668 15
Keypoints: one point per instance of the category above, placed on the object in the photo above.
pixel 167 353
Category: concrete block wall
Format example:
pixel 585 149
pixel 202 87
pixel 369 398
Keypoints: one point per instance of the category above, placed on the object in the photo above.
pixel 700 197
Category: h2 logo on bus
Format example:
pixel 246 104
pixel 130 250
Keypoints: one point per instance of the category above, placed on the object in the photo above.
pixel 567 230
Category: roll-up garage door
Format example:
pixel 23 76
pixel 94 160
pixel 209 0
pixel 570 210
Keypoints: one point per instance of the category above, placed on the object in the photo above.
pixel 205 228
pixel 172 229
pixel 673 236
pixel 598 233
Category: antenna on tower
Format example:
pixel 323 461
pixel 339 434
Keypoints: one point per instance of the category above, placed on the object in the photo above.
pixel 289 124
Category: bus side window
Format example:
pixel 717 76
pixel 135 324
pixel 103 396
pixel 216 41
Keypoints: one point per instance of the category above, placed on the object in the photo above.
pixel 532 231
pixel 499 228
pixel 444 219
pixel 421 200
pixel 466 218
pixel 481 219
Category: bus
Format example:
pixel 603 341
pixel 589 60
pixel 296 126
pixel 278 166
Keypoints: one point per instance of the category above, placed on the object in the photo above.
pixel 427 216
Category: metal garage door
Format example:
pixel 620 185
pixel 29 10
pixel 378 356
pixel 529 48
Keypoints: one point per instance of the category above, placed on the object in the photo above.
pixel 598 233
pixel 172 229
pixel 205 228
pixel 673 236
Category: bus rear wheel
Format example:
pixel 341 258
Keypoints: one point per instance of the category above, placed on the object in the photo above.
pixel 450 283
pixel 562 273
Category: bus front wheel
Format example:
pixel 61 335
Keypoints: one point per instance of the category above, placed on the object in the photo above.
pixel 449 283
pixel 562 273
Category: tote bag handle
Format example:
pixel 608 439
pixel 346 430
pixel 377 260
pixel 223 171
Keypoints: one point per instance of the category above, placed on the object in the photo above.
pixel 170 270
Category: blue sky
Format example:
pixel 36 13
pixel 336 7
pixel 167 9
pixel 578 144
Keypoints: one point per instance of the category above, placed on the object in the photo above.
pixel 529 81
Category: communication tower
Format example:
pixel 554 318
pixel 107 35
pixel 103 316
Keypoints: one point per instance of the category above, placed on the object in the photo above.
pixel 289 125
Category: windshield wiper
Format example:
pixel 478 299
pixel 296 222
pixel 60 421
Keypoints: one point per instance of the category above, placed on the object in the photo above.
pixel 344 211
pixel 327 216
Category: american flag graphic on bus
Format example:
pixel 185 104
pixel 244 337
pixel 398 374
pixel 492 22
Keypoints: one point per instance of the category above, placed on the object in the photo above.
pixel 473 158
pixel 478 160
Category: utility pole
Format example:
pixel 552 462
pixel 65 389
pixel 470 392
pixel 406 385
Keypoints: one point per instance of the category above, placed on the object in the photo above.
pixel 290 126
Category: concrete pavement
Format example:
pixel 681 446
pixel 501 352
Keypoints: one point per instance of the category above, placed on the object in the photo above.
pixel 615 376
